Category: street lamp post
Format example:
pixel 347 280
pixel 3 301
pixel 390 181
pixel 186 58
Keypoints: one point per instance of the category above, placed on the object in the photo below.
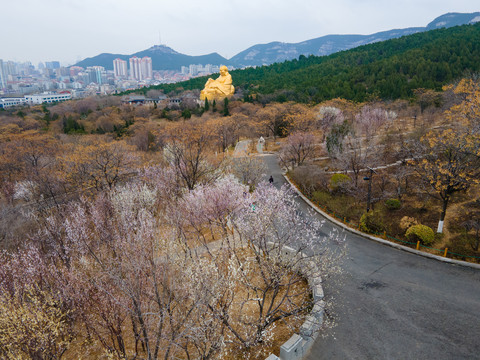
pixel 369 179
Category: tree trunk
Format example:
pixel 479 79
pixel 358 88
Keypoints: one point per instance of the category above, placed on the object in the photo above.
pixel 442 215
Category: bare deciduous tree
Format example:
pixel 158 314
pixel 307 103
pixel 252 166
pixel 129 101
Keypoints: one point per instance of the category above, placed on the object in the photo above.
pixel 187 151
pixel 249 170
pixel 369 121
pixel 298 148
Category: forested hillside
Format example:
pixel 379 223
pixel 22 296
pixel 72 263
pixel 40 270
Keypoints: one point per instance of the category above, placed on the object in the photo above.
pixel 389 70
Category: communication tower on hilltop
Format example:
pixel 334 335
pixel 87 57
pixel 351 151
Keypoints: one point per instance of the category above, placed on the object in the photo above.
pixel 160 38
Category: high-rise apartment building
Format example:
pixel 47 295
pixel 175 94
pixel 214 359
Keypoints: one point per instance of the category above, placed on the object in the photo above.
pixel 147 72
pixel 62 71
pixel 120 68
pixel 3 81
pixel 208 68
pixel 10 68
pixel 52 64
pixel 193 69
pixel 135 68
pixel 141 69
pixel 96 74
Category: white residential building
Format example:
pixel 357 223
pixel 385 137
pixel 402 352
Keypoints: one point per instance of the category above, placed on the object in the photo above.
pixel 47 98
pixel 8 102
pixel 146 67
pixel 135 68
pixel 120 68
pixel 141 69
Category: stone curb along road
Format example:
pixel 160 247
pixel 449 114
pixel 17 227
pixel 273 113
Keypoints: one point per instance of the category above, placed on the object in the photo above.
pixel 374 238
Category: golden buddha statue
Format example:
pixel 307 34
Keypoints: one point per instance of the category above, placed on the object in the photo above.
pixel 220 88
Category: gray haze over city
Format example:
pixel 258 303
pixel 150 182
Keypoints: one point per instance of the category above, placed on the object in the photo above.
pixel 71 30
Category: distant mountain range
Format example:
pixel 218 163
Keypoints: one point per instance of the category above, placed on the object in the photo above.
pixel 165 58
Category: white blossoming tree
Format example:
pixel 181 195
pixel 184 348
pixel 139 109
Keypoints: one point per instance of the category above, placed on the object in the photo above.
pixel 163 272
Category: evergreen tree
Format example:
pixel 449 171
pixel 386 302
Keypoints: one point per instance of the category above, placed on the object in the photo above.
pixel 71 126
pixel 225 107
pixel 207 105
pixel 186 114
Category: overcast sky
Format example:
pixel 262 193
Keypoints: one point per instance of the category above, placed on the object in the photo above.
pixel 71 30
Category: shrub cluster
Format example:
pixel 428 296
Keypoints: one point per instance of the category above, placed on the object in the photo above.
pixel 371 222
pixel 420 232
pixel 393 204
pixel 339 182
pixel 309 179
pixel 406 222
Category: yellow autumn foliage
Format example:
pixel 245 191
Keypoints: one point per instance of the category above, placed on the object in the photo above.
pixel 33 325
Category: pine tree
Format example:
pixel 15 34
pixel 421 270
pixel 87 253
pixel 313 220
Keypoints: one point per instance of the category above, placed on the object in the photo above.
pixel 225 107
pixel 186 114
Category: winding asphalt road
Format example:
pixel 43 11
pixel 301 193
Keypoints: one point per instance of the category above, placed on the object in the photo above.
pixel 391 304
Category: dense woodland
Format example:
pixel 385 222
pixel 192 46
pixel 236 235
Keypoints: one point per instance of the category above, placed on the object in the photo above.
pixel 131 232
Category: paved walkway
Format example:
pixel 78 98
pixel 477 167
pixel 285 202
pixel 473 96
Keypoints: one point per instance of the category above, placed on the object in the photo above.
pixel 391 304
pixel 241 149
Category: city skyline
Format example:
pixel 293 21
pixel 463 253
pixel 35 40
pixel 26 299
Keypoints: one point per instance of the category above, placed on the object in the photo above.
pixel 68 31
pixel 18 80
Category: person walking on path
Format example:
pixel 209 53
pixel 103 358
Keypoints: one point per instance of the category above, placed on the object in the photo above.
pixel 271 179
